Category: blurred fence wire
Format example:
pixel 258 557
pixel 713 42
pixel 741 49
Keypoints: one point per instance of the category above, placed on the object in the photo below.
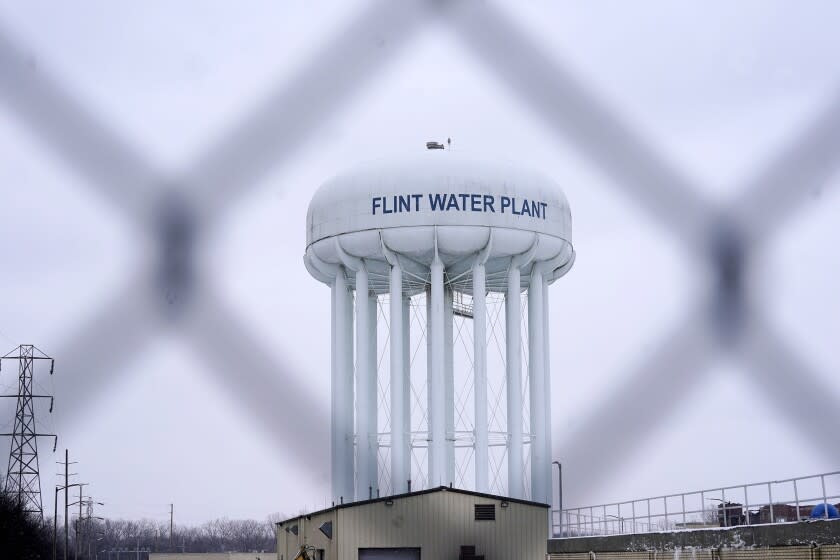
pixel 168 294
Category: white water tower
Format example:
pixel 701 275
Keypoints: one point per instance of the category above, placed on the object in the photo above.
pixel 439 266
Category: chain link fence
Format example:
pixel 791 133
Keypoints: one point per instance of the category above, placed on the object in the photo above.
pixel 167 294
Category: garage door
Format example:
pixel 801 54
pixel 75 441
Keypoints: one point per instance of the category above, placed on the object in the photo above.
pixel 389 554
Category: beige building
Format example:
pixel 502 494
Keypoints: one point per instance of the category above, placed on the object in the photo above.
pixel 431 524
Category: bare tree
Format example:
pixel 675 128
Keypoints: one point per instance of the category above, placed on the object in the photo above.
pixel 218 535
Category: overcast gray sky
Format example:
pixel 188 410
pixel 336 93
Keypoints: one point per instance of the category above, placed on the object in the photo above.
pixel 716 88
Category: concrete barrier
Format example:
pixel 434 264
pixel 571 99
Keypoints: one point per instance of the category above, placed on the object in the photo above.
pixel 822 532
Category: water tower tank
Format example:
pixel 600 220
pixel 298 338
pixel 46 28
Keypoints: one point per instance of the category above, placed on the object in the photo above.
pixel 451 254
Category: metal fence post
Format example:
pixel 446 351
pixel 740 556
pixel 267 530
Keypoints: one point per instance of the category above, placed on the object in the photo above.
pixel 796 497
pixel 770 493
pixel 746 504
pixel 633 511
pixel 703 506
pixel 604 519
pixel 825 502
pixel 682 496
pixel 723 505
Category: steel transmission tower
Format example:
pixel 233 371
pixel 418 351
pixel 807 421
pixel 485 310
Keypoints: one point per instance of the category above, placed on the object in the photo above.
pixel 22 477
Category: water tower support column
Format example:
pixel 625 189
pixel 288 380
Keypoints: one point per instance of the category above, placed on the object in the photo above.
pixel 366 429
pixel 335 474
pixel 513 358
pixel 342 390
pixel 547 384
pixel 513 340
pixel 373 397
pixel 540 459
pixel 480 364
pixel 348 373
pixel 449 355
pixel 341 375
pixel 436 381
pixel 365 388
pixel 400 471
pixel 406 419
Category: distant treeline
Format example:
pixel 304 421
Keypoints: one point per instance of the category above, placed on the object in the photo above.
pixel 218 535
pixel 26 537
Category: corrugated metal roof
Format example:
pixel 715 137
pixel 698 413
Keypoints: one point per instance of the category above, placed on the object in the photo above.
pixel 417 493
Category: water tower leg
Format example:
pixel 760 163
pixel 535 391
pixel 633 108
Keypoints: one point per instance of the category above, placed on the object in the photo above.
pixel 536 378
pixel 547 390
pixel 406 419
pixel 449 371
pixel 480 364
pixel 429 362
pixel 342 390
pixel 436 387
pixel 348 374
pixel 399 460
pixel 365 388
pixel 373 396
pixel 335 473
pixel 513 357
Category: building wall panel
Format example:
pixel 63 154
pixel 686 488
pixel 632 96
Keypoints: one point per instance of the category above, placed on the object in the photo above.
pixel 438 523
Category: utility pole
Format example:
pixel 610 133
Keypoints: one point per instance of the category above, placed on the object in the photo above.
pixel 171 524
pixel 66 482
pixel 23 478
pixel 66 486
pixel 85 525
pixel 78 524
pixel 55 523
